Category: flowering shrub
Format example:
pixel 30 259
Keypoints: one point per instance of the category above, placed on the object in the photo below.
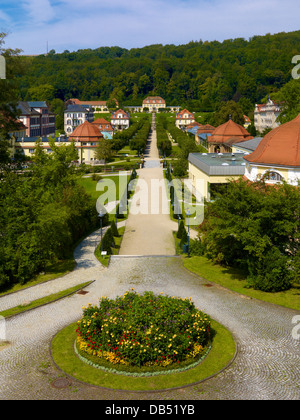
pixel 143 330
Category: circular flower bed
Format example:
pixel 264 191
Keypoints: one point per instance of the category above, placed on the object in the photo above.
pixel 144 331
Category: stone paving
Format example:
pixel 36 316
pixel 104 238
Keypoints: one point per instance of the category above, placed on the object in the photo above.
pixel 266 366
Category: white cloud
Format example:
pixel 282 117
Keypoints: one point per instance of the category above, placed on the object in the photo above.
pixel 39 11
pixel 74 24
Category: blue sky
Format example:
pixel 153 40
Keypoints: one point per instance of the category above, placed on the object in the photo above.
pixel 75 24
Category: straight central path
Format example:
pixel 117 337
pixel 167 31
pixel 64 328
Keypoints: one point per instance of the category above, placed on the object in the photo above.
pixel 149 227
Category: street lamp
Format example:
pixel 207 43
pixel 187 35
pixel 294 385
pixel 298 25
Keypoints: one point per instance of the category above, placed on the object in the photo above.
pixel 101 217
pixel 188 215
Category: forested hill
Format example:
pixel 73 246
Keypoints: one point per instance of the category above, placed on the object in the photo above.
pixel 198 75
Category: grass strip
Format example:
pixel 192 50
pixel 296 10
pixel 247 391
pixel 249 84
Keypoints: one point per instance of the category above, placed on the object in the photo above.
pixel 42 301
pixel 233 279
pixel 220 356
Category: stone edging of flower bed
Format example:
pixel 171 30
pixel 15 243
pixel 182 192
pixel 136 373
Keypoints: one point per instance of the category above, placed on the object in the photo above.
pixel 143 374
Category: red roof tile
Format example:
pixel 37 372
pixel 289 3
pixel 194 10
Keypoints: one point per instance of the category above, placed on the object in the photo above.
pixel 86 132
pixel 280 146
pixel 228 131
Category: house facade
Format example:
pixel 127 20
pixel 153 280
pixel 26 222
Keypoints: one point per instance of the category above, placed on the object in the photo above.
pixel 153 103
pixel 184 118
pixel 37 118
pixel 265 115
pixel 120 120
pixel 74 116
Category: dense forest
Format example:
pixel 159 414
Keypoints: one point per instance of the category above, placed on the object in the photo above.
pixel 198 75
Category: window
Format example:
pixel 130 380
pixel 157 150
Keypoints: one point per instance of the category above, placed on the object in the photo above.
pixel 273 176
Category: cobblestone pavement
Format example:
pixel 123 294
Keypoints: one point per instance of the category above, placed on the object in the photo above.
pixel 267 361
pixel 266 366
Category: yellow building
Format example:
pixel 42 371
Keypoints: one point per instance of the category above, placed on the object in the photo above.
pixel 153 103
pixel 207 169
pixel 86 138
pixel 276 158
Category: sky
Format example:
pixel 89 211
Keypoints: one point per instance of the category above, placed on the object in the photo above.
pixel 77 24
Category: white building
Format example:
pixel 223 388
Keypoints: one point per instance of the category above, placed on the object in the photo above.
pixel 74 116
pixel 120 120
pixel 184 118
pixel 265 115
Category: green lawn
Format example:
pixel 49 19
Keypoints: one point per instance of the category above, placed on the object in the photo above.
pixel 104 259
pixel 234 280
pixel 53 271
pixel 90 187
pixel 42 301
pixel 221 354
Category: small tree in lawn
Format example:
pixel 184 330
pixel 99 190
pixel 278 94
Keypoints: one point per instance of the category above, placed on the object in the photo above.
pixel 181 230
pixel 114 229
pixel 104 151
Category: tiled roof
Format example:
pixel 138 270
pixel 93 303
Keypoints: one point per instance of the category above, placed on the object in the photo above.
pixel 157 100
pixel 184 111
pixel 86 132
pixel 228 131
pixel 26 109
pixel 75 108
pixel 280 146
pixel 114 115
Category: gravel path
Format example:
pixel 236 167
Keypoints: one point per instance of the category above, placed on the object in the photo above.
pixel 149 227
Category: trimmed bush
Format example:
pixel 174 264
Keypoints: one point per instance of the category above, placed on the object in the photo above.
pixel 114 229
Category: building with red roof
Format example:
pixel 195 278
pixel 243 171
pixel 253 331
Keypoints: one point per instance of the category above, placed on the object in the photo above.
pixel 277 157
pixel 120 120
pixel 184 118
pixel 86 137
pixel 224 136
pixel 153 103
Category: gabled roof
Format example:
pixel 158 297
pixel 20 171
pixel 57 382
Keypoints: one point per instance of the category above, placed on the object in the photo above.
pixel 184 111
pixel 120 111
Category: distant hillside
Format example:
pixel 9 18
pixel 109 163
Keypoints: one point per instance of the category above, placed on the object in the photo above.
pixel 197 75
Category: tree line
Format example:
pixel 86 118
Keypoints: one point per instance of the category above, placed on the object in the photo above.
pixel 43 213
pixel 254 227
pixel 198 75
